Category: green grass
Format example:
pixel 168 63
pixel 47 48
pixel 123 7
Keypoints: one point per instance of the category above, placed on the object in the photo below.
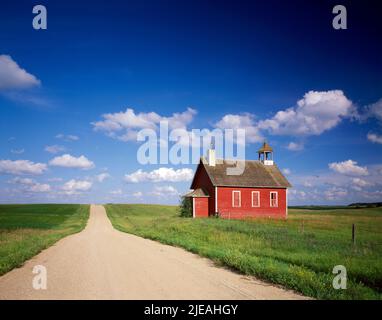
pixel 25 230
pixel 278 251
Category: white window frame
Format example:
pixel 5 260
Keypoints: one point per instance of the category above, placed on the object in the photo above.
pixel 277 199
pixel 233 198
pixel 258 199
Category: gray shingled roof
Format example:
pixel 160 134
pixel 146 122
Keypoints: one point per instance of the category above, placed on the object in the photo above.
pixel 255 174
pixel 197 193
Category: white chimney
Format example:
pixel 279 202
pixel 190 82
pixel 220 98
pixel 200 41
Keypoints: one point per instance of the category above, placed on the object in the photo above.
pixel 211 157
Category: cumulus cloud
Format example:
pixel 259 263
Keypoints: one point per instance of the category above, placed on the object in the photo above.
pixel 69 161
pixel 102 177
pixel 160 175
pixel 375 138
pixel 358 184
pixel 67 137
pixel 24 181
pixel 307 184
pixel 116 192
pixel 137 194
pixel 17 151
pixel 39 187
pixel 21 167
pixel 297 194
pixel 55 149
pixel 30 185
pixel 335 193
pixel 294 146
pixel 316 112
pixel 76 186
pixel 348 167
pixel 126 124
pixel 12 76
pixel 245 121
pixel 374 110
pixel 164 191
pixel 55 179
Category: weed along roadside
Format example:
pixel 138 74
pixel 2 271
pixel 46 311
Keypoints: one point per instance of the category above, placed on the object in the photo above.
pixel 278 251
pixel 25 230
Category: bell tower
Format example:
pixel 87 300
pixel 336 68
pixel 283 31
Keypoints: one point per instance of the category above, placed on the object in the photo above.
pixel 266 154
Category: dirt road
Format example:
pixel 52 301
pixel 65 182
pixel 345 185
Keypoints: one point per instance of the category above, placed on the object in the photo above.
pixel 103 263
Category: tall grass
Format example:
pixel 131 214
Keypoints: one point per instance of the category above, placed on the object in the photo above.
pixel 25 230
pixel 298 253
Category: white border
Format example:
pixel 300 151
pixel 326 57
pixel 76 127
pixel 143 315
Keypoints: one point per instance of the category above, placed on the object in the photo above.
pixel 193 207
pixel 277 199
pixel 258 198
pixel 216 200
pixel 233 191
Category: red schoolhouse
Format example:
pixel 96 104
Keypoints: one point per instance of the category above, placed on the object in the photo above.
pixel 259 191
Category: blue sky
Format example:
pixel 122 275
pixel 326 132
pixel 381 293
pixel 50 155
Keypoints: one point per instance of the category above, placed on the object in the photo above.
pixel 278 70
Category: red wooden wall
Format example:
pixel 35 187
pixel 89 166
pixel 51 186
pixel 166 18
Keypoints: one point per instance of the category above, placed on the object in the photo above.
pixel 246 210
pixel 202 180
pixel 201 207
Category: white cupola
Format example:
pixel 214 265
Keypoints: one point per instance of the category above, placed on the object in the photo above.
pixel 266 154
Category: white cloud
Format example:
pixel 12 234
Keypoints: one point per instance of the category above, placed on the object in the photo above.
pixel 125 125
pixel 21 167
pixel 287 171
pixel 55 149
pixel 164 191
pixel 14 77
pixel 137 194
pixel 245 121
pixel 69 161
pixel 30 185
pixel 372 195
pixel 75 186
pixel 25 181
pixel 374 138
pixel 55 179
pixel 348 167
pixel 161 174
pixel 374 110
pixel 294 146
pixel 307 184
pixel 297 194
pixel 39 187
pixel 359 184
pixel 116 192
pixel 315 113
pixel 17 151
pixel 335 193
pixel 67 137
pixel 102 176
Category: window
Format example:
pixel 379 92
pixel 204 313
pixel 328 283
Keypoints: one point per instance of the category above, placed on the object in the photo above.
pixel 255 198
pixel 236 199
pixel 274 199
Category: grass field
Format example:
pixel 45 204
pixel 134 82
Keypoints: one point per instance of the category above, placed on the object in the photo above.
pixel 298 253
pixel 25 230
